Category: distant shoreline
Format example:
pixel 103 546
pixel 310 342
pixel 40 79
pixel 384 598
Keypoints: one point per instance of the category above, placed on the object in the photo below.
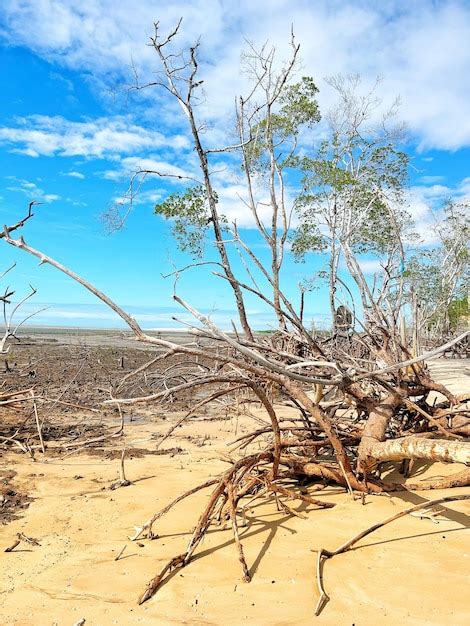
pixel 46 328
pixel 121 338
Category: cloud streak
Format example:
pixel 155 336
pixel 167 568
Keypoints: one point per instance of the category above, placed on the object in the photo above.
pixel 75 175
pixel 41 135
pixel 31 190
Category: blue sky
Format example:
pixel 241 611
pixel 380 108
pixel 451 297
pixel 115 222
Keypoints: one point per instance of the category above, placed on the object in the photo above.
pixel 71 135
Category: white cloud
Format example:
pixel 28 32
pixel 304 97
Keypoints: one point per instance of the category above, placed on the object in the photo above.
pixel 75 175
pixel 152 318
pixel 420 48
pixel 31 190
pixel 463 190
pixel 103 137
pixel 434 192
pixel 26 151
pixel 425 204
pixel 232 204
pixel 371 266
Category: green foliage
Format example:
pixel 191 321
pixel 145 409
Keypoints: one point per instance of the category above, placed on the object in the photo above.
pixel 378 229
pixel 299 108
pixel 457 310
pixel 454 232
pixel 423 274
pixel 191 217
pixel 307 237
pixel 356 176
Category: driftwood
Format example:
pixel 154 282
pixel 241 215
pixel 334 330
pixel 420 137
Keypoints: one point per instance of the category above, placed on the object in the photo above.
pixel 118 556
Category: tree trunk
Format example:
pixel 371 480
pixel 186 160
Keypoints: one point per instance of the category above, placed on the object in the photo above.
pixel 374 432
pixel 217 228
pixel 419 448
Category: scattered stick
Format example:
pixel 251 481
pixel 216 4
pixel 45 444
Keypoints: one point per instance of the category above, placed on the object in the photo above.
pixel 22 537
pixel 430 514
pixel 121 553
pixel 324 554
pixel 13 545
pixel 72 404
pixel 9 394
pixel 122 482
pixel 38 426
pixel 88 442
pixel 21 446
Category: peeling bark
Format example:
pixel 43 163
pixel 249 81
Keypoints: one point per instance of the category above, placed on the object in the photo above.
pixel 415 447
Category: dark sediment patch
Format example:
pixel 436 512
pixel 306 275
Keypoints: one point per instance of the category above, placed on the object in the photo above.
pixel 12 501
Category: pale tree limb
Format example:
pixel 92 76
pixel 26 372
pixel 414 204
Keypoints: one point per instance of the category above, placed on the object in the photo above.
pixel 21 244
pixel 122 482
pixel 418 359
pixel 22 221
pixel 416 447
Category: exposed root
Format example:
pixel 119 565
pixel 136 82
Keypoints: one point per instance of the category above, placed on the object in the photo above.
pixel 154 584
pixel 237 482
pixel 147 527
pixel 461 479
pixel 233 515
pixel 22 537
